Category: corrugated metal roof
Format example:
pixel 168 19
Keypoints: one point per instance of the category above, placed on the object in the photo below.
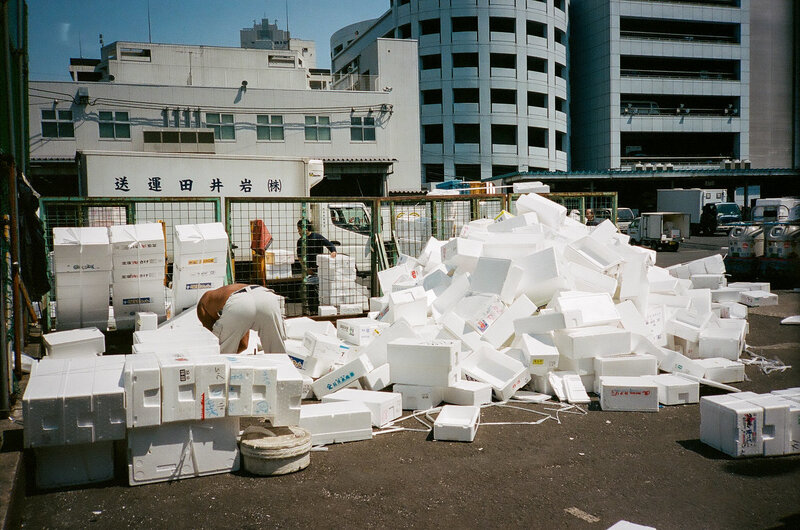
pixel 360 160
pixel 634 173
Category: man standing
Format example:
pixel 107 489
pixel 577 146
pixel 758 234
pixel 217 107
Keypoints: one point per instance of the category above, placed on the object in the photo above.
pixel 231 311
pixel 315 245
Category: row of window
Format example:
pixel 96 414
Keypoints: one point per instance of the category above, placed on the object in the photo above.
pixel 433 26
pixel 117 125
pixel 496 60
pixel 558 4
pixel 470 133
pixel 497 95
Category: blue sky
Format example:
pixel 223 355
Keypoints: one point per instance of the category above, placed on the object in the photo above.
pixel 57 26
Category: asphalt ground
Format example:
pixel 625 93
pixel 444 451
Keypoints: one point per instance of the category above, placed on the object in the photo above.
pixel 584 471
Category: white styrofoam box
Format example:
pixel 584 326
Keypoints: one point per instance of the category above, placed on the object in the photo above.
pixel 720 342
pixel 179 389
pixel 467 393
pixel 461 253
pixel 550 213
pixel 250 381
pixel 627 525
pixel 726 294
pixel 350 309
pixel 690 349
pixel 574 388
pixel 186 293
pixel 378 379
pixel 311 365
pixel 419 397
pixel 431 252
pixel 212 383
pixel 81 249
pixel 687 324
pixel 138 296
pixel 701 300
pixel 511 223
pixel 631 364
pixel 592 254
pixel 504 374
pixel 142 376
pixel 544 323
pixel 502 329
pixel 542 275
pixel 409 304
pixel 634 394
pixel 74 465
pixel 584 368
pixel 594 308
pixel 199 244
pixel 457 290
pixel 137 240
pixel 76 404
pixel 425 363
pixel 489 276
pixel 733 310
pixel 389 277
pixel 632 319
pixel 758 298
pixel 437 280
pixel 189 335
pixel 788 393
pixel 146 321
pixel 676 362
pixel 480 311
pixel 580 343
pixel 384 406
pixel 74 343
pixel 775 428
pixel 377 349
pixel 751 286
pixel 541 352
pixel 710 418
pixel 359 331
pixel 708 281
pixel 82 299
pixel 296 328
pixel 323 346
pixel 456 423
pixel 660 280
pixel 676 390
pixel 740 428
pixel 722 370
pixel 182 450
pixel 108 402
pixel 336 422
pixel 590 280
pixel 342 377
pixel 326 310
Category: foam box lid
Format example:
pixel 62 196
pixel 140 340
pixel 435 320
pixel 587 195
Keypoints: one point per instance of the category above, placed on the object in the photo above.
pixel 85 337
pixel 138 239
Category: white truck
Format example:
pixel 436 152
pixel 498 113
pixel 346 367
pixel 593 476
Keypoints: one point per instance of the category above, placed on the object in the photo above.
pixel 780 210
pixel 659 230
pixel 691 201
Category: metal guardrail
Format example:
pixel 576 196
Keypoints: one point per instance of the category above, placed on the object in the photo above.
pixel 264 237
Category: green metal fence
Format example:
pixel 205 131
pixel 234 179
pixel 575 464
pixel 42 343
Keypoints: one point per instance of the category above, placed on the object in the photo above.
pixel 81 212
pixel 267 247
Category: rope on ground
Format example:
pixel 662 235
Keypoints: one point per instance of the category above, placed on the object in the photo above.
pixel 767 366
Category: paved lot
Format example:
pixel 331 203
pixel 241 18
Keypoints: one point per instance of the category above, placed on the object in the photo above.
pixel 589 471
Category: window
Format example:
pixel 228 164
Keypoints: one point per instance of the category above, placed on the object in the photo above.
pixel 432 97
pixel 404 31
pixel 502 24
pixel 561 104
pixel 362 129
pixel 504 134
pixel 57 124
pixel 434 172
pixel 465 60
pixel 431 62
pixel 537 137
pixel 174 137
pixel 470 172
pixel 269 128
pixel 561 71
pixel 560 36
pixel 560 139
pixel 318 129
pixel 114 124
pixel 465 24
pixel 537 99
pixel 433 133
pixel 222 125
pixel 503 60
pixel 466 95
pixel 537 64
pixel 467 133
pixel 429 27
pixel 536 29
pixel 504 96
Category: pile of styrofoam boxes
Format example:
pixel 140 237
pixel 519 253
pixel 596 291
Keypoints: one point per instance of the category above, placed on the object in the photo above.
pixel 748 424
pixel 278 264
pixel 200 262
pixel 139 258
pixel 82 271
pixel 534 300
pixel 177 401
pixel 337 284
pixel 74 343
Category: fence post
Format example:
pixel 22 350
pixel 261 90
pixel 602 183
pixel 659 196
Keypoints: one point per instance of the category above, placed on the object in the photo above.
pixel 375 229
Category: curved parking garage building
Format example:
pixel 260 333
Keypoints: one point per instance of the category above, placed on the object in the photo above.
pixel 492 81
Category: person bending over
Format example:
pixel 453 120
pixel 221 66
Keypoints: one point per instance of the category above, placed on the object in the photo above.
pixel 231 311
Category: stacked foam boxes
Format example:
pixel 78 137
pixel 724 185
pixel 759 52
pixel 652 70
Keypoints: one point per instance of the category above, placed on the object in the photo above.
pixel 139 256
pixel 278 264
pixel 82 271
pixel 200 262
pixel 748 424
pixel 337 284
pixel 74 411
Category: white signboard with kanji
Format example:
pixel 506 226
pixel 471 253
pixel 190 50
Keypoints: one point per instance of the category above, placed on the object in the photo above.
pixel 181 175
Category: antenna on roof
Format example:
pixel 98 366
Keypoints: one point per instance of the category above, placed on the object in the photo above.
pixel 149 32
pixel 80 45
pixel 287 17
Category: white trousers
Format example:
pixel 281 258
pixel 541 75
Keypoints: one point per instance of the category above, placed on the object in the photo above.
pixel 257 309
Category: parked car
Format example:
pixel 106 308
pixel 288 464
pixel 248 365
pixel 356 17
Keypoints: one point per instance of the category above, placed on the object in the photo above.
pixel 624 217
pixel 728 213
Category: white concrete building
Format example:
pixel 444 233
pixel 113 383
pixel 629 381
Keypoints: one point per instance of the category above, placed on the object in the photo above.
pixel 175 112
pixel 659 82
pixel 493 81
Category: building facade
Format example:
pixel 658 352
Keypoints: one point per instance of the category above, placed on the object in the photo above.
pixel 657 82
pixel 225 113
pixel 492 81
